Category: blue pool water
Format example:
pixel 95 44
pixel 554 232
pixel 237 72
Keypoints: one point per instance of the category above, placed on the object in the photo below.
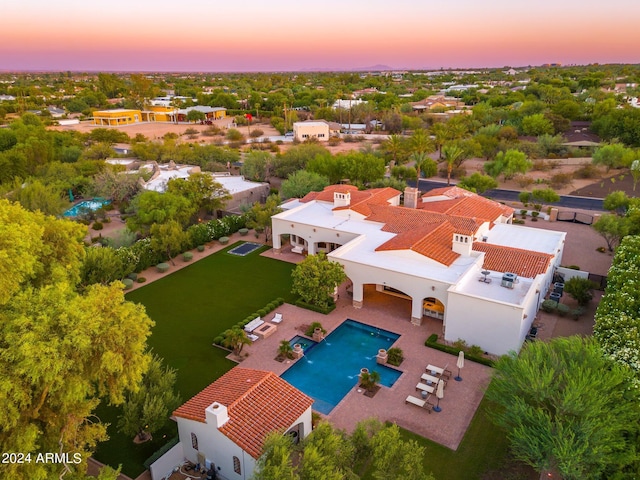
pixel 328 371
pixel 85 206
pixel 306 343
pixel 244 248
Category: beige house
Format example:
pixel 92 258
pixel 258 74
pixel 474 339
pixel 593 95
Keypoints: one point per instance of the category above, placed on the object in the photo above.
pixel 318 129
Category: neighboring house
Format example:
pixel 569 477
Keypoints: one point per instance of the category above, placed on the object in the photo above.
pixel 243 192
pixel 224 426
pixel 56 112
pixel 211 113
pixel 318 129
pixel 347 104
pixel 453 254
pixel 437 103
pixel 7 98
pixel 116 117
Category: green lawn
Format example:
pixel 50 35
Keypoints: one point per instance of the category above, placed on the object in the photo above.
pixel 190 308
pixel 483 448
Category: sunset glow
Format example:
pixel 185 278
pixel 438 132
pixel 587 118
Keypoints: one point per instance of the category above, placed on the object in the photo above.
pixel 198 35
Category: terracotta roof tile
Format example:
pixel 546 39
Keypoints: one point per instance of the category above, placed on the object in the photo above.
pixel 525 263
pixel 360 199
pixel 433 242
pixel 258 402
pixel 463 203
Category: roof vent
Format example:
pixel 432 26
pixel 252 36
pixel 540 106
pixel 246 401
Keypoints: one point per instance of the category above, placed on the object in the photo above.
pixel 485 238
pixel 509 280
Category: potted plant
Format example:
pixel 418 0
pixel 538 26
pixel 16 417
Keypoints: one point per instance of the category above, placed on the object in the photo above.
pixel 285 350
pixel 369 380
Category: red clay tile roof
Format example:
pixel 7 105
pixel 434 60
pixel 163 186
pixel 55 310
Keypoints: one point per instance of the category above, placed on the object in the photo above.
pixel 463 203
pixel 401 219
pixel 433 242
pixel 524 263
pixel 258 402
pixel 360 199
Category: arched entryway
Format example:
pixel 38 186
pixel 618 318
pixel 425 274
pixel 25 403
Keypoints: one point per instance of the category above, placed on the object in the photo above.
pixel 432 307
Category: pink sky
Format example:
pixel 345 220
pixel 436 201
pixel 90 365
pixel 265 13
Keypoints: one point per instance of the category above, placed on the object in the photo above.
pixel 199 35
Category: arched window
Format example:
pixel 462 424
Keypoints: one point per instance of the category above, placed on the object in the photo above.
pixel 194 441
pixel 236 465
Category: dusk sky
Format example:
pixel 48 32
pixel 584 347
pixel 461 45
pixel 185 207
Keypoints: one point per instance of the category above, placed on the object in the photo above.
pixel 252 35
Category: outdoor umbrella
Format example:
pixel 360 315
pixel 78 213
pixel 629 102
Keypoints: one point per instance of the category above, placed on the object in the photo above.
pixel 439 394
pixel 460 364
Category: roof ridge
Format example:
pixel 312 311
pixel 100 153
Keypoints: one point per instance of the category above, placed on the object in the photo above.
pixel 265 375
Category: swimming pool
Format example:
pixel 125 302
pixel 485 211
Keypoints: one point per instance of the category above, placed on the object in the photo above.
pixel 244 249
pixel 328 371
pixel 86 206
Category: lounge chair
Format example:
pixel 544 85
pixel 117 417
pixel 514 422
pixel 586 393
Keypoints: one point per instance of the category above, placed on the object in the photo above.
pixel 419 403
pixel 425 388
pixel 277 318
pixel 430 378
pixel 252 337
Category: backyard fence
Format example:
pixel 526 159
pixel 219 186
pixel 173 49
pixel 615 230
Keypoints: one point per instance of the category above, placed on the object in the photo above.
pixel 575 217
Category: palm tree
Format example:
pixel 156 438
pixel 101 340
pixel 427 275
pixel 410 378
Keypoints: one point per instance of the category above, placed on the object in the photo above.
pixel 421 142
pixel 452 154
pixel 418 158
pixel 394 146
pixel 285 349
pixel 236 339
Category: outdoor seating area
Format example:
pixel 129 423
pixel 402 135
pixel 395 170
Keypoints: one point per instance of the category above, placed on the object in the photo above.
pixel 265 330
pixel 253 324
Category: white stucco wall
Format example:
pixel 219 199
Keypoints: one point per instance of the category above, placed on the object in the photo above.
pixel 163 467
pixel 319 130
pixel 494 326
pixel 312 234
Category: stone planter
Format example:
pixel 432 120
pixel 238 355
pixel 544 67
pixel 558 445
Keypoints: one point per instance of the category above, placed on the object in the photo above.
pixel 201 248
pixel 363 371
pixel 317 335
pixel 381 358
pixel 187 256
pixel 297 351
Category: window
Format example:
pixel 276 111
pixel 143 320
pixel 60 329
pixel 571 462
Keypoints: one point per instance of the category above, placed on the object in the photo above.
pixel 320 135
pixel 236 465
pixel 194 441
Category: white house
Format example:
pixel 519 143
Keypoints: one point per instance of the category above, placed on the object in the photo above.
pixel 224 426
pixel 453 254
pixel 318 129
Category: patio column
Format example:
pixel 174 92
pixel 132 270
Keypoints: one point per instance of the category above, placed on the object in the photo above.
pixel 358 295
pixel 311 247
pixel 416 311
pixel 277 241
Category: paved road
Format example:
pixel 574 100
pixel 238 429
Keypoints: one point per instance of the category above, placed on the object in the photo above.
pixel 566 201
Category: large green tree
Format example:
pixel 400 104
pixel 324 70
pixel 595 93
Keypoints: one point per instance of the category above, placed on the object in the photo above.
pixel 299 183
pixel 260 215
pixel 202 191
pixel 567 408
pixel 146 410
pixel 62 352
pixel 315 279
pixel 150 207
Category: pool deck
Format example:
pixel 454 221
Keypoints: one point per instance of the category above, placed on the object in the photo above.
pixel 461 399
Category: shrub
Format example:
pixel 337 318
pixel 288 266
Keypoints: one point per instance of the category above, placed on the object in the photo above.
pixel 162 267
pixel 517 221
pixel 97 226
pixel 601 249
pixel 588 171
pixel 309 331
pixel 200 248
pixel 218 340
pixel 563 310
pixel 576 313
pixel 432 342
pixel 395 356
pixel 523 181
pixel 187 256
pixel 128 283
pixel 535 214
pixel 256 132
pixel 580 289
pixel 460 344
pixel 549 306
pixel 262 312
pixel 280 300
pixel 223 240
pixel 561 180
pixel 141 279
pixel 133 276
pixel 243 231
pixel 475 350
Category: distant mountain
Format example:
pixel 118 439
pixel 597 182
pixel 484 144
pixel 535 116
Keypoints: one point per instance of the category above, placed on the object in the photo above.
pixel 374 68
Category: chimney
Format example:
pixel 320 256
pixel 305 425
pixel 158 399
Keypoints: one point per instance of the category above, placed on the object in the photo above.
pixel 217 414
pixel 341 199
pixel 411 197
pixel 462 244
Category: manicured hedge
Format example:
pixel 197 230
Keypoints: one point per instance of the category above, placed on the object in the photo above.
pixel 315 308
pixel 432 342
